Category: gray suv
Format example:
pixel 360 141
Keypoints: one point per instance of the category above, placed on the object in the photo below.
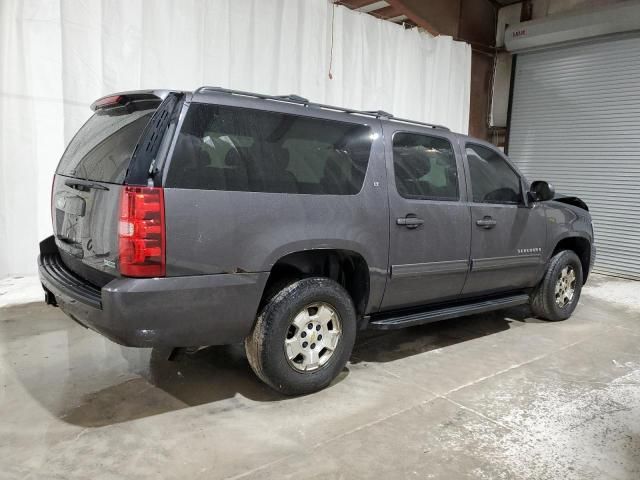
pixel 186 219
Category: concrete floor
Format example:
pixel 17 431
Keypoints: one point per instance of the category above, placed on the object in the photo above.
pixel 491 396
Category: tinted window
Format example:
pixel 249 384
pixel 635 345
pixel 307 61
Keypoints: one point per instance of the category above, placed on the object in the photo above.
pixel 230 148
pixel 492 179
pixel 425 167
pixel 102 148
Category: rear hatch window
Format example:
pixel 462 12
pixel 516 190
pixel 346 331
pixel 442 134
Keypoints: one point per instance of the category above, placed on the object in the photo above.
pixel 102 149
pixel 88 186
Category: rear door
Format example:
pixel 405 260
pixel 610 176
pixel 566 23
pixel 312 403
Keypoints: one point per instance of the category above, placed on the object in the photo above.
pixel 88 183
pixel 429 218
pixel 508 236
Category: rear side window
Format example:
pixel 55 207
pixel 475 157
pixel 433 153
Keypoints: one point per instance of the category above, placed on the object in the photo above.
pixel 424 167
pixel 102 148
pixel 237 149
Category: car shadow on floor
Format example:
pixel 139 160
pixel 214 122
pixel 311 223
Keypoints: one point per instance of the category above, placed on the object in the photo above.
pixel 217 376
pixel 143 383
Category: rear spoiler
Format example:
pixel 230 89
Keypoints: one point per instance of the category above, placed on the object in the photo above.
pixel 122 98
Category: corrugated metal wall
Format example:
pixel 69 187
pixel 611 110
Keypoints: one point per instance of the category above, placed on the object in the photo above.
pixel 576 122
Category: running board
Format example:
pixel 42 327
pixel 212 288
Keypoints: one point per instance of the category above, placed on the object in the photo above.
pixel 392 322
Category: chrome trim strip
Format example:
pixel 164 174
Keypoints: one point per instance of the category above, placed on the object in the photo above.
pixel 430 268
pixel 496 263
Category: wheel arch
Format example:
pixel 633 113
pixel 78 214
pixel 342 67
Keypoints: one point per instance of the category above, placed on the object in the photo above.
pixel 347 267
pixel 581 246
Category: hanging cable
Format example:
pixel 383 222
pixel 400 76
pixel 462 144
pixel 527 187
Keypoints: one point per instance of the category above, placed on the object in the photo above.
pixel 333 17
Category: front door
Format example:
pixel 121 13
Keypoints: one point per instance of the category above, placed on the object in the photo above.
pixel 430 223
pixel 507 235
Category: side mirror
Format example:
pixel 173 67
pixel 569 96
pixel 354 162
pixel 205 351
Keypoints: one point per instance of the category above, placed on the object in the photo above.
pixel 541 191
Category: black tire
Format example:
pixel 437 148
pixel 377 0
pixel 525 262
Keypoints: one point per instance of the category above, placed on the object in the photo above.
pixel 543 298
pixel 265 345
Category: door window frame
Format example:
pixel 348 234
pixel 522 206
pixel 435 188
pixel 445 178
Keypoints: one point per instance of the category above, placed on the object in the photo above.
pixel 460 168
pixel 523 196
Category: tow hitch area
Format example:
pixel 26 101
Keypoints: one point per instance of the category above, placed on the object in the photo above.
pixel 178 353
pixel 50 298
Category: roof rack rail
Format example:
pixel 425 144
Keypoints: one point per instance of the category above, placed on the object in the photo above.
pixel 424 124
pixel 296 99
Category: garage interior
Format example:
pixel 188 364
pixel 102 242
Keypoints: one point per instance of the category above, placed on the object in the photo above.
pixel 554 83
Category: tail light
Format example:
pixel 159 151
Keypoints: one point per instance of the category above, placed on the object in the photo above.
pixel 110 101
pixel 141 235
pixel 52 206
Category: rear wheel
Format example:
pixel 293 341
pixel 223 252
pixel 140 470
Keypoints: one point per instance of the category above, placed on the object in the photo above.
pixel 303 336
pixel 557 295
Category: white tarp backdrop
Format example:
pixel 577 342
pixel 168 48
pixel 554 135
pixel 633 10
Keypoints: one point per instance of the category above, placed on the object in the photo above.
pixel 57 56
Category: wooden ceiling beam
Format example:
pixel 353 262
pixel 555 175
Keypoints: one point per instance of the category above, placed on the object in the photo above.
pixel 354 4
pixel 387 12
pixel 402 8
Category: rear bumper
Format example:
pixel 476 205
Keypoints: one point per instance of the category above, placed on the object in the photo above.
pixel 150 312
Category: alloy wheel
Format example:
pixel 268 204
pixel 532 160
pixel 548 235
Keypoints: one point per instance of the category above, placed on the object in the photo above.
pixel 565 286
pixel 312 337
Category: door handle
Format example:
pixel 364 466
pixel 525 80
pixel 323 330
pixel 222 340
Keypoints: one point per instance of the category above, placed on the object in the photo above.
pixel 487 222
pixel 409 221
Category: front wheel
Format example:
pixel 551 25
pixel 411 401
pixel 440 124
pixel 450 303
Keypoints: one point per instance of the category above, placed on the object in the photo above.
pixel 557 295
pixel 303 336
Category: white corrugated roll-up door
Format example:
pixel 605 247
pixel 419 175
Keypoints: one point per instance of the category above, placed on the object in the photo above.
pixel 575 121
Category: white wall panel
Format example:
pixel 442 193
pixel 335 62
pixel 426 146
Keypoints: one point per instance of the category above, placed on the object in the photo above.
pixel 57 56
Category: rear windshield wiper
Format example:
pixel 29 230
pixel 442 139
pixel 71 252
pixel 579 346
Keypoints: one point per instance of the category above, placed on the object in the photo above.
pixel 84 186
